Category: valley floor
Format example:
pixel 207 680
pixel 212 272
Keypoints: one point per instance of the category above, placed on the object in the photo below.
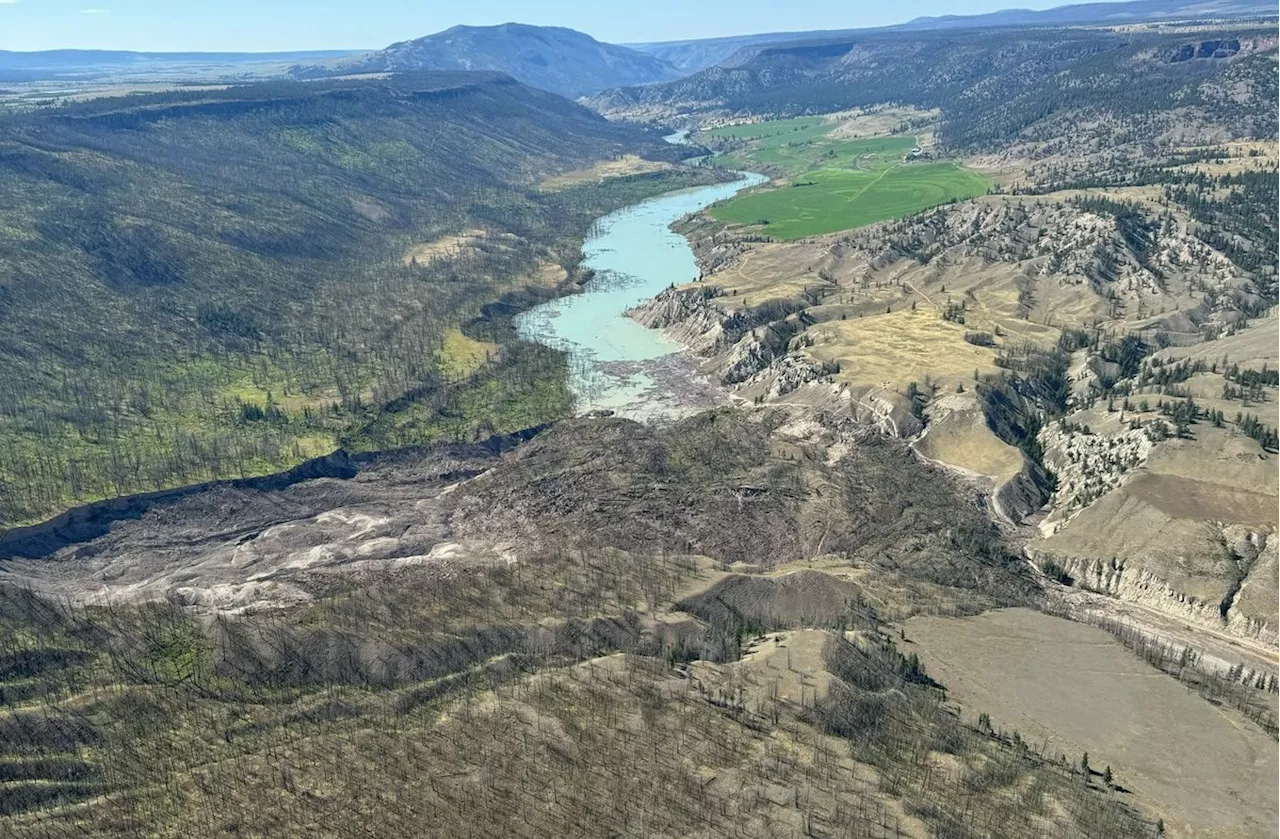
pixel 1074 688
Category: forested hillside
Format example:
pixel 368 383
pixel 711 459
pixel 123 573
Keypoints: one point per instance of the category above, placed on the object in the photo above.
pixel 992 85
pixel 211 284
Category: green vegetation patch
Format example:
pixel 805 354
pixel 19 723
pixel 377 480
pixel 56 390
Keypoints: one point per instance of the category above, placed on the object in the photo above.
pixel 801 152
pixel 831 183
pixel 827 200
pixel 776 132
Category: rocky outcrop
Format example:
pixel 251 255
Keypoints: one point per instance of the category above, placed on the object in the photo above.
pixel 1130 582
pixel 688 315
pixel 747 342
pixel 1133 583
pixel 756 352
pixel 1217 48
pixel 791 372
pixel 1115 252
pixel 1257 594
pixel 887 412
pixel 1088 466
pixel 753 350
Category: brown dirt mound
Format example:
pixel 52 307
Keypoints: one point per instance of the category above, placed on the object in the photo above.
pixel 799 599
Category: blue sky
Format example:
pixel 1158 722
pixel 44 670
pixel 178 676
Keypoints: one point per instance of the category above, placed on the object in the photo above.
pixel 260 25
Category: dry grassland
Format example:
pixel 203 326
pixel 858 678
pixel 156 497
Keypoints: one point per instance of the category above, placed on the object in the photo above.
pixel 897 348
pixel 1205 772
pixel 628 164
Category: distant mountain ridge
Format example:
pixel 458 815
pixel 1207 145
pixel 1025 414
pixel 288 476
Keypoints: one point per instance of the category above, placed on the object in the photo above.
pixel 1132 11
pixel 691 56
pixel 700 53
pixel 91 64
pixel 563 60
pixel 552 58
pixel 992 84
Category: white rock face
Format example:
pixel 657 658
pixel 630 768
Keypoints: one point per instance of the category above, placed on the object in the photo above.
pixel 1088 466
pixel 1132 583
pixel 1135 584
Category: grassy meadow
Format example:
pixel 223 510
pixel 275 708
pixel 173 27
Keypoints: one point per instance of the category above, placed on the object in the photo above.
pixel 827 183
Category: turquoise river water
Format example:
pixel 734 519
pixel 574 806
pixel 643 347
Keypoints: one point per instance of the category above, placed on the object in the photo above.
pixel 618 364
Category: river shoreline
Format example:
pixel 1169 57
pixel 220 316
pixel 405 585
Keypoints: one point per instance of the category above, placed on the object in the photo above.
pixel 617 364
pixel 659 384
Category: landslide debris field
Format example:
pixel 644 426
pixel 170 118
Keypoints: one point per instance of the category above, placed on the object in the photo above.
pixel 742 487
pixel 510 640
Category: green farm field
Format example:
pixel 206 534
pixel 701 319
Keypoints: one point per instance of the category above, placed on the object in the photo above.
pixel 829 184
pixel 777 132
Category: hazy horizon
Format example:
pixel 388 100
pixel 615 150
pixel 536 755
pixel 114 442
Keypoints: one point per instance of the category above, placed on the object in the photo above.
pixel 246 26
